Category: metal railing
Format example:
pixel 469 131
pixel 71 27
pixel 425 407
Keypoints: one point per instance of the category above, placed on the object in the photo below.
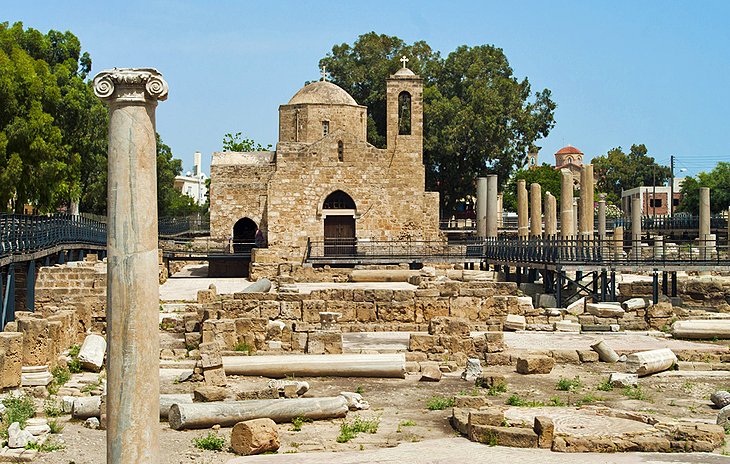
pixel 20 234
pixel 345 249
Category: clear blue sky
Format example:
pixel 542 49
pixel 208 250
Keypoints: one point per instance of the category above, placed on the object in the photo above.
pixel 621 72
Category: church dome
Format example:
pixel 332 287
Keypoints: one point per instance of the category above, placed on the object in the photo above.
pixel 323 93
pixel 569 150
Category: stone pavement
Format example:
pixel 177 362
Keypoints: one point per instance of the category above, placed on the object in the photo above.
pixel 460 450
pixel 186 288
pixel 309 287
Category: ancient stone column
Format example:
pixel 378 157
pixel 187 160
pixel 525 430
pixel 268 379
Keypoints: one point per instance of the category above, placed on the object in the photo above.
pixel 587 192
pixel 658 247
pixel 704 232
pixel 500 209
pixel 618 242
pixel 551 216
pixel 636 228
pixel 535 210
pixel 576 209
pixel 481 206
pixel 493 206
pixel 566 204
pixel 133 403
pixel 522 227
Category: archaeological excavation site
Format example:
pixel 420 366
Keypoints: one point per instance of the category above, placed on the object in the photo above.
pixel 326 314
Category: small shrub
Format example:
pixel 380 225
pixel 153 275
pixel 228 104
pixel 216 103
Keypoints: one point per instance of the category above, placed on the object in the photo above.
pixel 515 400
pixel 18 409
pixel 349 430
pixel 243 348
pixel 88 388
pixel 297 423
pixel 556 401
pixel 438 403
pixel 605 386
pixel 569 384
pixel 588 399
pixel 473 392
pixel 211 442
pixel 74 351
pixel 47 447
pixel 359 390
pixel 52 408
pixel 74 366
pixel 635 393
pixel 405 423
pixel 55 426
pixel 61 375
pixel 495 390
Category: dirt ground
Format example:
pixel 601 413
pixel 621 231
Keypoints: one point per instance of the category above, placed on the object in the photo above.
pixel 400 407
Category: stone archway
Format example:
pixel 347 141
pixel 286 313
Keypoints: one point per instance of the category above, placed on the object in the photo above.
pixel 244 235
pixel 339 224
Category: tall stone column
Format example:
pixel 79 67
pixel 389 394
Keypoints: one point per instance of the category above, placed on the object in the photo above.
pixel 576 218
pixel 133 393
pixel 522 227
pixel 482 206
pixel 493 206
pixel 535 210
pixel 636 227
pixel 618 242
pixel 704 221
pixel 587 193
pixel 566 204
pixel 500 209
pixel 551 217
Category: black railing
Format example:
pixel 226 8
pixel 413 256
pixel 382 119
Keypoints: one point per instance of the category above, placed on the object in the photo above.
pixel 20 234
pixel 190 225
pixel 346 249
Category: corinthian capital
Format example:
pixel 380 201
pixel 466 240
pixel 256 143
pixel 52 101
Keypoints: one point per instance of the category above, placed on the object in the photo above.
pixel 130 85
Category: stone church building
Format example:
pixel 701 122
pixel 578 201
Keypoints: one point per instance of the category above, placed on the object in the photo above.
pixel 325 182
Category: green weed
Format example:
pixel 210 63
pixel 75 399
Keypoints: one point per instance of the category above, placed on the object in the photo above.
pixel 18 409
pixel 438 403
pixel 569 384
pixel 495 390
pixel 74 366
pixel 211 442
pixel 349 430
pixel 605 386
pixel 515 400
pixel 52 408
pixel 243 348
pixel 405 423
pixel 297 423
pixel 74 351
pixel 635 393
pixel 359 390
pixel 55 426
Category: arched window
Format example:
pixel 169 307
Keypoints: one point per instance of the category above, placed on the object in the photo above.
pixel 338 200
pixel 570 159
pixel 340 151
pixel 325 128
pixel 404 113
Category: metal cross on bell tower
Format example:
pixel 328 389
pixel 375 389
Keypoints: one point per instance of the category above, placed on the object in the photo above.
pixel 323 73
pixel 404 60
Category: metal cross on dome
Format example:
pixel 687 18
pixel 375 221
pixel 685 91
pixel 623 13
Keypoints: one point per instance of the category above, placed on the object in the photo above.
pixel 323 73
pixel 404 60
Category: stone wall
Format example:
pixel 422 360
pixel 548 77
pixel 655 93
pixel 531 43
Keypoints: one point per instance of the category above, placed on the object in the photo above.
pixel 303 123
pixel 703 292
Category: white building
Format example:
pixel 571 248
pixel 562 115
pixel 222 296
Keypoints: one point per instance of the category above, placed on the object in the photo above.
pixel 192 183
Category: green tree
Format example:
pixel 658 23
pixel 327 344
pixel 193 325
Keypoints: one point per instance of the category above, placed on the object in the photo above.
pixel 617 171
pixel 479 118
pixel 47 118
pixel 546 175
pixel 170 201
pixel 237 142
pixel 718 180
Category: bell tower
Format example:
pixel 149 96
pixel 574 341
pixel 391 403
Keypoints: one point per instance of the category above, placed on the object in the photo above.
pixel 405 111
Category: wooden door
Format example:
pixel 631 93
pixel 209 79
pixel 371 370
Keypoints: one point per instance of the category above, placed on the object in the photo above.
pixel 339 235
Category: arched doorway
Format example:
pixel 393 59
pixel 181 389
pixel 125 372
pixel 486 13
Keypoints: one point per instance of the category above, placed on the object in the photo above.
pixel 244 235
pixel 339 224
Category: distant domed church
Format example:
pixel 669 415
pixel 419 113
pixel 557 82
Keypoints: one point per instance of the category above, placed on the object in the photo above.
pixel 325 182
pixel 570 158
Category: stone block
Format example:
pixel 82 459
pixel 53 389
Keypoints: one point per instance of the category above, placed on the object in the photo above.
pixel 396 311
pixel 487 380
pixel 498 359
pixel 311 310
pixel 621 380
pixel 324 342
pixel 421 342
pixel 465 307
pixel 216 377
pixel 515 322
pixel 544 427
pixel 209 393
pixel 494 342
pixel 430 373
pixel 37 341
pixel 587 356
pixel 515 437
pixel 365 312
pixel 91 354
pixel 565 356
pixel 456 344
pixel 535 365
pixel 471 401
pixel 605 309
pixel 456 326
pixel 11 359
pixel 460 420
pixel 255 436
pixel 291 310
pixel 426 308
pixel 488 416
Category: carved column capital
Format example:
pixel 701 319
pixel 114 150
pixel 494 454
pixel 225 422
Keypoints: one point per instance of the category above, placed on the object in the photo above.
pixel 130 85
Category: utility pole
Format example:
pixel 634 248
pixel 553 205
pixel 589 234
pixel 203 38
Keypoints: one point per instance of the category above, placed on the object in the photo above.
pixel 671 186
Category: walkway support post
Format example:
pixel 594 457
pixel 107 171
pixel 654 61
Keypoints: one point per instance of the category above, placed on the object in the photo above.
pixel 493 207
pixel 133 403
pixel 482 207
pixel 566 204
pixel 704 223
pixel 30 286
pixel 522 227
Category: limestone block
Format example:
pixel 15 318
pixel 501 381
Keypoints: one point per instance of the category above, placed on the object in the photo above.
pixel 311 310
pixel 465 307
pixel 489 416
pixel 473 370
pixel 577 307
pixel 396 311
pixel 215 376
pixel 535 365
pixel 460 420
pixel 587 356
pixel 91 354
pixel 255 436
pixel 207 393
pixel 421 342
pixel 565 356
pixel 515 322
pixel 515 437
pixel 605 309
pixel 487 380
pixel 544 427
pixel 494 342
pixel 210 359
pixel 567 326
pixel 291 310
pixel 622 380
pixel 37 341
pixel 324 342
pixel 723 417
pixel 19 438
pixel 426 308
pixel 720 399
pixel 365 312
pixel 430 373
pixel 470 401
pixel 449 326
pixel 11 359
pixel 547 301
pixel 456 344
pixel 702 329
pixel 663 309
